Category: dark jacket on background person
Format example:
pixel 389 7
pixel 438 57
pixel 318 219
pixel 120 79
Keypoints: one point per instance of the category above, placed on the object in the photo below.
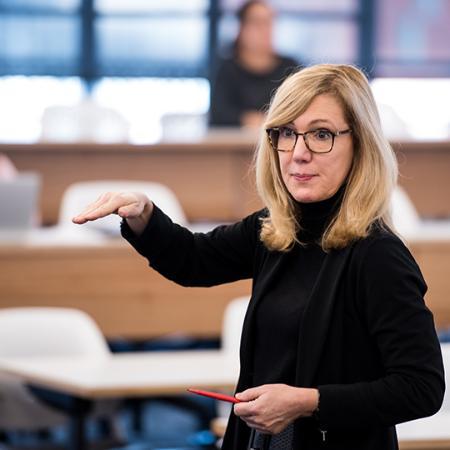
pixel 236 90
pixel 366 339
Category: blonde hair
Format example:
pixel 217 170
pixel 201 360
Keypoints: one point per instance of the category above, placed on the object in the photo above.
pixel 373 173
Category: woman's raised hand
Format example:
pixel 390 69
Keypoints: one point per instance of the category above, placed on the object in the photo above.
pixel 135 207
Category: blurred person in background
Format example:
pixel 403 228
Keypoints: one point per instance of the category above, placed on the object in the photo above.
pixel 245 82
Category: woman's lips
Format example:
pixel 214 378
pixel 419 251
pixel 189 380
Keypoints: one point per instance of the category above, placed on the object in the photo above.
pixel 303 176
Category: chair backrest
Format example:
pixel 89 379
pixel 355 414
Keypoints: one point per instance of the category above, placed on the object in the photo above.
pixel 179 127
pixel 46 331
pixel 404 214
pixel 84 122
pixel 233 320
pixel 445 348
pixel 78 195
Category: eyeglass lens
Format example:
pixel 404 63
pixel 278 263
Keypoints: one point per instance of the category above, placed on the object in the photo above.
pixel 284 139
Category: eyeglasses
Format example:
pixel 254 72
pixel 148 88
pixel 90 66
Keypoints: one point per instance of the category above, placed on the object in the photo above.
pixel 284 139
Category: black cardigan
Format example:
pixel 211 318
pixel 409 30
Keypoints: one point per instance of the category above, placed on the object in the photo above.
pixel 367 341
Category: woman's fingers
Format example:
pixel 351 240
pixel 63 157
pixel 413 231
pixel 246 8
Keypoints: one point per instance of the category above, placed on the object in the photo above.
pixel 251 393
pixel 111 203
pixel 83 216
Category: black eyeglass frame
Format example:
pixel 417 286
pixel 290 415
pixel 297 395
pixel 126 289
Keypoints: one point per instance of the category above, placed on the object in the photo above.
pixel 304 135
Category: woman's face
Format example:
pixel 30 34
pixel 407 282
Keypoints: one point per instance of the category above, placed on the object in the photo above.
pixel 256 29
pixel 312 177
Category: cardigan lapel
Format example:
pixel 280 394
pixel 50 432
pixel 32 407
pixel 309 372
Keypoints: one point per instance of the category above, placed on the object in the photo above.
pixel 275 260
pixel 312 332
pixel 237 433
pixel 314 327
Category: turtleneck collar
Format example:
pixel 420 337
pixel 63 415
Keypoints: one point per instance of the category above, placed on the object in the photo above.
pixel 315 217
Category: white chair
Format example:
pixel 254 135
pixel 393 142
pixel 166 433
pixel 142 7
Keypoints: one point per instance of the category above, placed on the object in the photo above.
pixel 31 331
pixel 393 125
pixel 78 195
pixel 85 122
pixel 233 320
pixel 232 323
pixel 435 427
pixel 179 127
pixel 404 215
pixel 409 224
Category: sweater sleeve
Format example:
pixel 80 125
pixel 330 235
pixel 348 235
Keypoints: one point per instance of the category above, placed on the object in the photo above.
pixel 390 291
pixel 222 255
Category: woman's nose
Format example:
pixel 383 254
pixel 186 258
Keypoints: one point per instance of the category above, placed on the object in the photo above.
pixel 301 151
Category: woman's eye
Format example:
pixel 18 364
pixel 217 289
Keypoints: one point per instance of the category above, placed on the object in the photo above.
pixel 322 135
pixel 286 132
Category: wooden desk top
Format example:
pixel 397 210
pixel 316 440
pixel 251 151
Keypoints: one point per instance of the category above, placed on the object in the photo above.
pixel 128 374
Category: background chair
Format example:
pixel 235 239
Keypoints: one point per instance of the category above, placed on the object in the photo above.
pixel 434 428
pixel 232 323
pixel 85 122
pixel 233 320
pixel 31 331
pixel 183 126
pixel 78 195
pixel 410 225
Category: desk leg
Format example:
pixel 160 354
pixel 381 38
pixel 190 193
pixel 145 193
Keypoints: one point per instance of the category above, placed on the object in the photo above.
pixel 78 439
pixel 76 407
pixel 77 436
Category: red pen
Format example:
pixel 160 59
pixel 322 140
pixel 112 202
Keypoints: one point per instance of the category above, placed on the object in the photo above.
pixel 216 395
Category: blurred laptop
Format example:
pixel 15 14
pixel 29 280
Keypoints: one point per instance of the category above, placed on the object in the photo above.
pixel 18 205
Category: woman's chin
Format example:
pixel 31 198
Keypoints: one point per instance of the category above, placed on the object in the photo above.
pixel 305 196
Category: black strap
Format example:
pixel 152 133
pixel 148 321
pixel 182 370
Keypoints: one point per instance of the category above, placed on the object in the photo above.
pixel 263 441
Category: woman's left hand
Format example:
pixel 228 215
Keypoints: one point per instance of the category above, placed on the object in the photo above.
pixel 270 408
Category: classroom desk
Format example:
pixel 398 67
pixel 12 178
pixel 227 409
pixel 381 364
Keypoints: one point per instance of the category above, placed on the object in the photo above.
pixel 114 285
pixel 210 176
pixel 124 376
pixel 146 374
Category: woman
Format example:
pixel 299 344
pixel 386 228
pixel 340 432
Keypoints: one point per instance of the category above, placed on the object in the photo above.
pixel 337 345
pixel 245 82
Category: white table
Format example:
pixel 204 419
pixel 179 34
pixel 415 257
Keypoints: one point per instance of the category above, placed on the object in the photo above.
pixel 124 375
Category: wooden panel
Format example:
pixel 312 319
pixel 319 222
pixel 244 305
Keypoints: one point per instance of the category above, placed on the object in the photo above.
pixel 434 261
pixel 211 177
pixel 440 444
pixel 129 299
pixel 115 286
pixel 424 173
pixel 206 183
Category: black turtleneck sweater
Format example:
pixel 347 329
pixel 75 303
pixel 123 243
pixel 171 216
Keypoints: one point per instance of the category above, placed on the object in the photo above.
pixel 280 312
pixel 378 362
